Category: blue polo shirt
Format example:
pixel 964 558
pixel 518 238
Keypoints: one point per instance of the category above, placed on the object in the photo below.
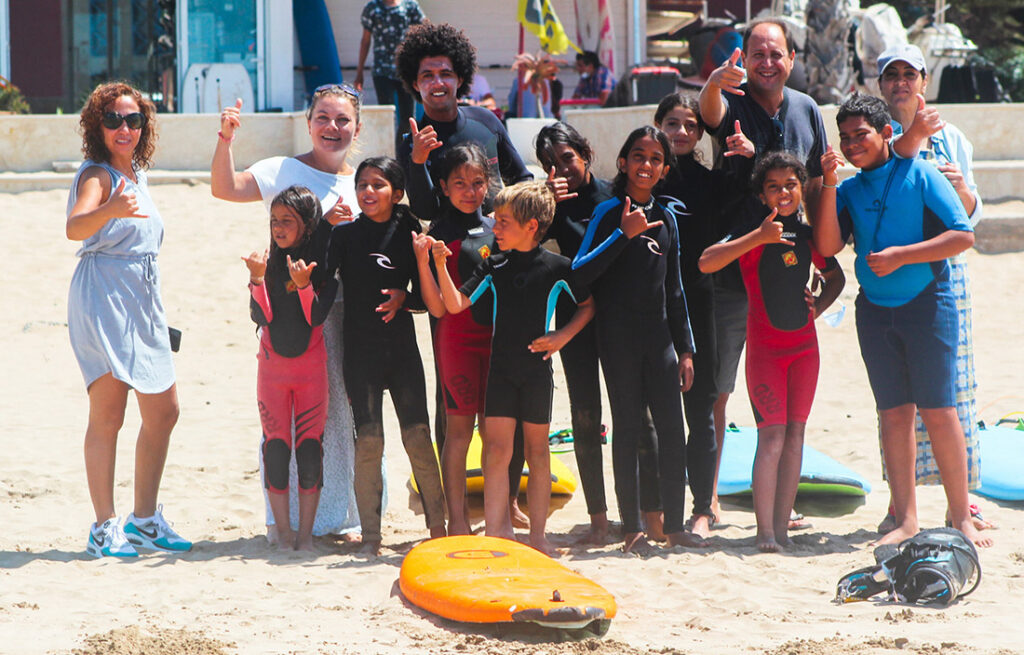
pixel 920 204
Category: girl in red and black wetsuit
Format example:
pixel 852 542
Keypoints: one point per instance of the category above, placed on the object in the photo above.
pixel 291 294
pixel 775 258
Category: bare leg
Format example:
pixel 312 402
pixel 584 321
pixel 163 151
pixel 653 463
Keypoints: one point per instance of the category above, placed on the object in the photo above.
pixel 107 400
pixel 950 452
pixel 282 519
pixel 307 514
pixel 538 485
pixel 788 480
pixel 770 441
pixel 498 446
pixel 655 524
pixel 719 415
pixel 899 449
pixel 159 413
pixel 453 471
pixel 598 533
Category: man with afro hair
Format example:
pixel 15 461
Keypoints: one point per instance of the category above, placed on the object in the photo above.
pixel 436 63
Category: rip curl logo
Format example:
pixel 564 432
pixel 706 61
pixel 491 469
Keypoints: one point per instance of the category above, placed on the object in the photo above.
pixel 382 260
pixel 485 251
pixel 789 258
pixel 652 244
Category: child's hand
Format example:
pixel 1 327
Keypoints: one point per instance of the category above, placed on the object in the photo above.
pixel 771 230
pixel 738 144
pixel 123 205
pixel 421 245
pixel 390 307
pixel 230 120
pixel 257 265
pixel 423 142
pixel 635 222
pixel 812 302
pixel 685 371
pixel 440 252
pixel 830 163
pixel 299 272
pixel 884 262
pixel 339 213
pixel 549 344
pixel 729 76
pixel 559 186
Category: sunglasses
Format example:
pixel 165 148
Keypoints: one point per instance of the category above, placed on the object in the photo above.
pixel 343 87
pixel 777 132
pixel 112 120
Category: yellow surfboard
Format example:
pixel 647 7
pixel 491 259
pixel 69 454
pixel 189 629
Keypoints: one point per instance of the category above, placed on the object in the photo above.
pixel 562 480
pixel 489 580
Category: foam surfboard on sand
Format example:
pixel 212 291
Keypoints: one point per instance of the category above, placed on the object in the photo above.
pixel 489 580
pixel 1002 460
pixel 563 482
pixel 819 473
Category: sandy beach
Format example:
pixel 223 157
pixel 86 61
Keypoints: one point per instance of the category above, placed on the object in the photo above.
pixel 233 594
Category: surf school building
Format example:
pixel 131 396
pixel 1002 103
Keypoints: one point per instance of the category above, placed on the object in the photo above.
pixel 195 55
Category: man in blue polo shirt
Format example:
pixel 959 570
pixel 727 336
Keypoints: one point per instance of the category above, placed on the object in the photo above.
pixel 906 221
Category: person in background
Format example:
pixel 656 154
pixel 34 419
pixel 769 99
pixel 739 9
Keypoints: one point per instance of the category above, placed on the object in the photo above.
pixel 596 81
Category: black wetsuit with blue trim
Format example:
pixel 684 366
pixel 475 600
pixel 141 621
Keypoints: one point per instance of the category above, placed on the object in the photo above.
pixel 525 287
pixel 642 327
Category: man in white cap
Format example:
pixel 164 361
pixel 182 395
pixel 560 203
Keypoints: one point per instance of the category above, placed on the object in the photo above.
pixel 920 132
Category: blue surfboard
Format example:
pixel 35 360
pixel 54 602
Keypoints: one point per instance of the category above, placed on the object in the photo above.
pixel 319 51
pixel 1002 460
pixel 819 473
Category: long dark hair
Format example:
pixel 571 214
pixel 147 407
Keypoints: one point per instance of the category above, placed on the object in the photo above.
pixel 393 173
pixel 561 134
pixel 306 206
pixel 619 183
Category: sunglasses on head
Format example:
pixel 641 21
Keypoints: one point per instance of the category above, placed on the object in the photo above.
pixel 343 87
pixel 112 120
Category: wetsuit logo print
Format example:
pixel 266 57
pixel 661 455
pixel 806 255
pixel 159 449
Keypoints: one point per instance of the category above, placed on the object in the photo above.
pixel 652 244
pixel 485 251
pixel 765 398
pixel 382 260
pixel 789 258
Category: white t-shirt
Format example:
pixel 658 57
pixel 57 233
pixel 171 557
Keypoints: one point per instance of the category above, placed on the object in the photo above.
pixel 275 174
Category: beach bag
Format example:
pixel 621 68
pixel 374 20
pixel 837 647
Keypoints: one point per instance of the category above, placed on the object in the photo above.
pixel 931 568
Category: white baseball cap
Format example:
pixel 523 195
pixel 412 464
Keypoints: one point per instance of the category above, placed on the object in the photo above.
pixel 906 52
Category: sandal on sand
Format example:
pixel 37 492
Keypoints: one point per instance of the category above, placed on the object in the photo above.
pixel 797 522
pixel 979 521
pixel 712 520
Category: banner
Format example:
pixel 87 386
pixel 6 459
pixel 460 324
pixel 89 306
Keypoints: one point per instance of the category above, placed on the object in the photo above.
pixel 539 18
pixel 594 29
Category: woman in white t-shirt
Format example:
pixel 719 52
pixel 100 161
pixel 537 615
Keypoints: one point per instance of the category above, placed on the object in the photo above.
pixel 333 120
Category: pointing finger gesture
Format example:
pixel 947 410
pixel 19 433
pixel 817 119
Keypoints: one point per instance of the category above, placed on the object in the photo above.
pixel 424 141
pixel 738 143
pixel 230 119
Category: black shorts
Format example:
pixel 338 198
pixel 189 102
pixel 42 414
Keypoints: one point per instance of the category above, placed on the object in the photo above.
pixel 522 395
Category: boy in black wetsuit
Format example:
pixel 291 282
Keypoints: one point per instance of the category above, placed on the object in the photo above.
pixel 525 281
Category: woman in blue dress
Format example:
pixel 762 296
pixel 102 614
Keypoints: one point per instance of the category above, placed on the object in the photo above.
pixel 116 319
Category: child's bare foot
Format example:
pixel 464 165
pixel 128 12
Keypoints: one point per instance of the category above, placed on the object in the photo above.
pixel 686 539
pixel 902 531
pixel 701 524
pixel 543 545
pixel 438 532
pixel 636 542
pixel 972 533
pixel 285 539
pixel 305 544
pixel 272 536
pixel 458 527
pixel 767 544
pixel 371 548
pixel 351 537
pixel 655 526
pixel 519 518
pixel 598 533
pixel 976 518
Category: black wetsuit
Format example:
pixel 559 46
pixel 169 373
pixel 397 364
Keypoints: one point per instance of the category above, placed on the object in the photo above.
pixel 705 196
pixel 472 125
pixel 525 288
pixel 642 325
pixel 580 364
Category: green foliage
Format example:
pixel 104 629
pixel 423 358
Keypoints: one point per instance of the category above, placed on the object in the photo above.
pixel 995 26
pixel 11 99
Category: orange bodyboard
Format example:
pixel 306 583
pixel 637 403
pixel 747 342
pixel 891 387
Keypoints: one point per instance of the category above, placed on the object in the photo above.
pixel 489 580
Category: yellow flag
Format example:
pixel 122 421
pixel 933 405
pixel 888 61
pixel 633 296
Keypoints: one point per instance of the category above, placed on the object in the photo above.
pixel 539 18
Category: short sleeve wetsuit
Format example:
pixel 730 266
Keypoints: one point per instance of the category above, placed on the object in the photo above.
pixel 472 125
pixel 782 344
pixel 462 344
pixel 368 257
pixel 291 379
pixel 641 326
pixel 525 288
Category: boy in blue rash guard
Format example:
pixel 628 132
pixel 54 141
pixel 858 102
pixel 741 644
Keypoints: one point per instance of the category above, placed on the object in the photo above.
pixel 630 256
pixel 906 220
pixel 525 282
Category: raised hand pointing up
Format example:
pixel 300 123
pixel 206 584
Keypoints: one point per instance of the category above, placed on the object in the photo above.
pixel 738 143
pixel 424 142
pixel 729 75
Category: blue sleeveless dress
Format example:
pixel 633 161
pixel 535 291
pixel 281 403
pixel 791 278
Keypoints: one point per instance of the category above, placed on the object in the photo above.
pixel 115 314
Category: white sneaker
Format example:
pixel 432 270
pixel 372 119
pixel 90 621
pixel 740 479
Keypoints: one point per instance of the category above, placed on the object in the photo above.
pixel 109 540
pixel 154 533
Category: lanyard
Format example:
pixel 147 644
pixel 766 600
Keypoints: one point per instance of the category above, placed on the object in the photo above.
pixel 885 194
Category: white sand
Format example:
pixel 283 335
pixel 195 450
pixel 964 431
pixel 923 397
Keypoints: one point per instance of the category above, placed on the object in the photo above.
pixel 232 594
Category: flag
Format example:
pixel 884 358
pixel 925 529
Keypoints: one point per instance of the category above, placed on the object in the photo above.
pixel 594 29
pixel 539 18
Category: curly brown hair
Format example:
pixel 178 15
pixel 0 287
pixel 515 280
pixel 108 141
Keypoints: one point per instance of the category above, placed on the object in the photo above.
pixel 91 128
pixel 435 40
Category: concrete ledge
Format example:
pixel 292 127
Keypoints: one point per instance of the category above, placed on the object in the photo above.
pixel 1002 228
